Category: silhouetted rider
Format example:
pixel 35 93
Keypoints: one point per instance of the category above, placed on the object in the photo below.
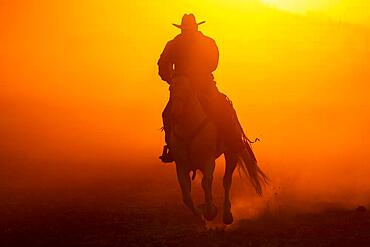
pixel 195 56
pixel 190 54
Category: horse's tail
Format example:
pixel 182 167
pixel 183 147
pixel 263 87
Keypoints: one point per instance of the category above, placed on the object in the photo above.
pixel 247 160
pixel 248 164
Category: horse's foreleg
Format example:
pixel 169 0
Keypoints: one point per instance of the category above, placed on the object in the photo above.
pixel 210 210
pixel 183 178
pixel 231 162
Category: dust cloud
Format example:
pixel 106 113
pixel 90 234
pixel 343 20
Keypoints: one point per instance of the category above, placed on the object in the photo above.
pixel 80 105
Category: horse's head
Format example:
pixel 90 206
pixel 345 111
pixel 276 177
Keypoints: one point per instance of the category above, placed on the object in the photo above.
pixel 183 97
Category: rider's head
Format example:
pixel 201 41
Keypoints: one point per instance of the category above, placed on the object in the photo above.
pixel 188 24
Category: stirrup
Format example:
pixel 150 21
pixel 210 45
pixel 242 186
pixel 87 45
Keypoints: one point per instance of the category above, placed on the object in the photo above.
pixel 166 156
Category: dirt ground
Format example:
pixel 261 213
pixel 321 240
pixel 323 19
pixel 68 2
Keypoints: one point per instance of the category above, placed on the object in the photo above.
pixel 139 208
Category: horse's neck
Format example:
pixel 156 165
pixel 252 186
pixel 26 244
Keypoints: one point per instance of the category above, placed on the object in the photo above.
pixel 193 117
pixel 197 114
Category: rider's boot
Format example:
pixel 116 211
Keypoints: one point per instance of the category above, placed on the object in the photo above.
pixel 166 156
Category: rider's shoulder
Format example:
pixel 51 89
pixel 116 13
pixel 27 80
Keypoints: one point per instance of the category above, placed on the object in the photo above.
pixel 174 40
pixel 180 38
pixel 177 38
pixel 209 39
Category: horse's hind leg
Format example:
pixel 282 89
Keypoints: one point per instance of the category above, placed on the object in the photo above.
pixel 231 162
pixel 209 210
pixel 185 184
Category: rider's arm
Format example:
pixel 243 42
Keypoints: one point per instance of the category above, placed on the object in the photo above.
pixel 165 63
pixel 213 55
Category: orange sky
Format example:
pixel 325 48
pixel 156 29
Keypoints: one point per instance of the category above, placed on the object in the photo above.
pixel 79 80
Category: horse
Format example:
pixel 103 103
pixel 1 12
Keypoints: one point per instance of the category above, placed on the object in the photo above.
pixel 194 142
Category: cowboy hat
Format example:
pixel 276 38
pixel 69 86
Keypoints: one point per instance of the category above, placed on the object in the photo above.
pixel 188 22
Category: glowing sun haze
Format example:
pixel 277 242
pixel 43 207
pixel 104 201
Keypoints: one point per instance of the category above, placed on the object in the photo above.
pixel 328 8
pixel 344 10
pixel 79 82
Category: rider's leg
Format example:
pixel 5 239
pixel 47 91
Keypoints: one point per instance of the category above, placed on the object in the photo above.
pixel 166 156
pixel 166 121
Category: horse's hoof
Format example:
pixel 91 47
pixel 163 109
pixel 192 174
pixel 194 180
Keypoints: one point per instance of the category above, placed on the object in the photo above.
pixel 210 213
pixel 228 218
